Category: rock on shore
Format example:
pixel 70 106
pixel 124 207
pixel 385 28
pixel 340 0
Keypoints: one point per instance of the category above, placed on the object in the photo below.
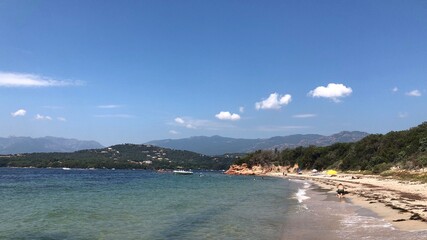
pixel 259 170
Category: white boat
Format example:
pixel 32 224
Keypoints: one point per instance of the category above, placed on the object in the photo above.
pixel 182 172
pixel 66 168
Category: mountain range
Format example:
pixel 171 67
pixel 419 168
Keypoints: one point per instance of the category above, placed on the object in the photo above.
pixel 217 145
pixel 14 145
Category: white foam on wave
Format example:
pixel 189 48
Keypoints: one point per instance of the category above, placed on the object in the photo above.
pixel 301 195
pixel 356 221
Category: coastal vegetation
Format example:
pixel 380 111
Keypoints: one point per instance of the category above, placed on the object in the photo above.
pixel 123 156
pixel 376 153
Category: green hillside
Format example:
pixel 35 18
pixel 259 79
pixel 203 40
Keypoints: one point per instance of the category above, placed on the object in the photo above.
pixel 375 153
pixel 120 157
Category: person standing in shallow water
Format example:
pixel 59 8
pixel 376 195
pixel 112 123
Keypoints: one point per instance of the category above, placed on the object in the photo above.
pixel 340 191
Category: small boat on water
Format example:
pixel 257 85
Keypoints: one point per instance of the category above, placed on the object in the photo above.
pixel 66 168
pixel 182 172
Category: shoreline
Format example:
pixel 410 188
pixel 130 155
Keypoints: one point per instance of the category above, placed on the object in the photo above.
pixel 401 203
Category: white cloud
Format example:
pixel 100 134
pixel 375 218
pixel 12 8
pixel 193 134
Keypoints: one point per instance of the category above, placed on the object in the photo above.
pixel 414 93
pixel 179 120
pixel 41 117
pixel 109 106
pixel 227 116
pixel 62 119
pixel 333 91
pixel 274 101
pixel 308 115
pixel 8 79
pixel 241 109
pixel 173 132
pixel 19 113
pixel 185 123
pixel 395 89
pixel 403 115
pixel 191 123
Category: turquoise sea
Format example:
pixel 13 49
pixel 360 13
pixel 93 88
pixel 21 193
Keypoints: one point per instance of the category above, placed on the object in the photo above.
pixel 52 204
pixel 126 204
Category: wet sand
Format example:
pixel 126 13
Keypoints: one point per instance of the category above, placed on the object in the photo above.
pixel 324 216
pixel 308 221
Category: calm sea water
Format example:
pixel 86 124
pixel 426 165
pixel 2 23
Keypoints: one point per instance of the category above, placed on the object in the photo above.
pixel 126 204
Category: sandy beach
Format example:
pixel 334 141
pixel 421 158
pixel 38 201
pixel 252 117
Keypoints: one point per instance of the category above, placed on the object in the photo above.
pixel 402 203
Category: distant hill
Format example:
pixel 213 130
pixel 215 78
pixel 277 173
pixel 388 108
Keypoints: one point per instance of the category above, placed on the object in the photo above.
pixel 14 145
pixel 123 156
pixel 217 145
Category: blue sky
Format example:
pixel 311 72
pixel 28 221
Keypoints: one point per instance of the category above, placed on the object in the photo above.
pixel 135 71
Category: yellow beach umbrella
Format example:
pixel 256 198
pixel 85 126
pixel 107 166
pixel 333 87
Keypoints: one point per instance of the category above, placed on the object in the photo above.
pixel 331 172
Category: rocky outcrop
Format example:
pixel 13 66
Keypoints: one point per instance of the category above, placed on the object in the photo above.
pixel 238 169
pixel 260 170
